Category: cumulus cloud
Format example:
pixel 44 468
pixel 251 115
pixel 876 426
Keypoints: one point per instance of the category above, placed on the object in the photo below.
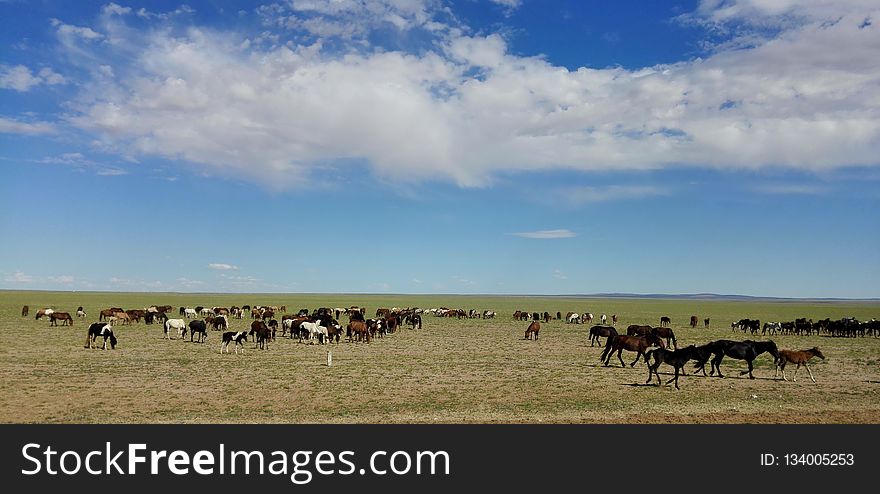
pixel 466 109
pixel 221 266
pixel 62 279
pixel 21 79
pixel 545 234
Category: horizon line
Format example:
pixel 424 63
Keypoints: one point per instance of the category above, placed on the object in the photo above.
pixel 705 295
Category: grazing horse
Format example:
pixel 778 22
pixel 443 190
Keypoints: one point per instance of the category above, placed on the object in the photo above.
pixel 178 324
pixel 64 317
pixel 706 322
pixel 613 318
pixel 638 344
pixel 598 331
pixel 665 320
pixel 43 312
pixel 797 357
pixel 198 326
pixel 588 318
pixel 315 331
pixel 357 331
pixel 100 329
pixel 676 358
pixel 638 330
pixel 414 320
pixel 744 350
pixel 236 338
pixel 25 310
pixel 80 312
pixel 533 329
pixel 667 334
pixel 261 331
pixel 693 321
pixel 574 317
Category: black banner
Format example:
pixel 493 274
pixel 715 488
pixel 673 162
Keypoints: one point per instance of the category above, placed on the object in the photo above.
pixel 400 458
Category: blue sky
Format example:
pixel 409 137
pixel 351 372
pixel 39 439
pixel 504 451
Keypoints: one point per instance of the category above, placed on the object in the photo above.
pixel 429 146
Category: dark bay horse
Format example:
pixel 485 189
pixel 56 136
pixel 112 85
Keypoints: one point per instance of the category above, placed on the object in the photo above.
pixel 638 330
pixel 667 334
pixel 533 329
pixel 743 350
pixel 676 358
pixel 797 357
pixel 599 331
pixel 638 344
pixel 665 321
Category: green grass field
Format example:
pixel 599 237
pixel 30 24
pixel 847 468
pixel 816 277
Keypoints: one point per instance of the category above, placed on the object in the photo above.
pixel 459 371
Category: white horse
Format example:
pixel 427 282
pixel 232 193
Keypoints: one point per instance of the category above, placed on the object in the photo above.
pixel 574 318
pixel 315 330
pixel 189 313
pixel 178 324
pixel 604 319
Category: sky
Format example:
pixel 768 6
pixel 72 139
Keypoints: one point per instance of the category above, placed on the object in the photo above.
pixel 437 146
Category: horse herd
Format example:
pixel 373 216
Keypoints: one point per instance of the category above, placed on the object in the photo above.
pixel 657 345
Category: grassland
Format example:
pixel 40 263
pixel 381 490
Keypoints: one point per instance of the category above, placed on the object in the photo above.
pixel 458 371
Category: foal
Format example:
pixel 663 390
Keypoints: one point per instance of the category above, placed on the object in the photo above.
pixel 676 358
pixel 800 358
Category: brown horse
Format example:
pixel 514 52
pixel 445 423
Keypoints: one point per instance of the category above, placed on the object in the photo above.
pixel 64 317
pixel 706 322
pixel 638 330
pixel 533 328
pixel 797 357
pixel 667 334
pixel 638 344
pixel 665 320
pixel 357 331
pixel 694 321
pixel 43 312
pixel 613 318
pixel 25 310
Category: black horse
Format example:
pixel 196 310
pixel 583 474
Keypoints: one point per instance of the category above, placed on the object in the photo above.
pixel 598 331
pixel 675 358
pixel 198 326
pixel 100 329
pixel 414 320
pixel 743 350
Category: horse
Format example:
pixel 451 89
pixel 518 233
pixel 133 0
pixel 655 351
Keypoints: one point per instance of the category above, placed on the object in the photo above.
pixel 665 320
pixel 236 338
pixel 703 353
pixel 667 334
pixel 198 326
pixel 260 330
pixel 706 322
pixel 604 319
pixel 414 320
pixel 43 312
pixel 178 324
pixel 613 318
pixel 533 329
pixel 638 330
pixel 574 317
pixel 273 325
pixel 315 330
pixel 638 344
pixel 100 329
pixel 64 317
pixel 676 358
pixel 357 331
pixel 588 318
pixel 797 357
pixel 693 321
pixel 25 310
pixel 744 350
pixel 80 312
pixel 598 331
pixel 220 323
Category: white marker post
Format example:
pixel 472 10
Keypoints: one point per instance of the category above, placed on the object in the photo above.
pixel 329 359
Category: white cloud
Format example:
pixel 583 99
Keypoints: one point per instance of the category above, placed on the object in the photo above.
pixel 62 279
pixel 222 266
pixel 789 189
pixel 467 110
pixel 577 196
pixel 559 275
pixel 18 277
pixel 10 126
pixel 110 172
pixel 544 234
pixel 21 79
pixel 70 31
